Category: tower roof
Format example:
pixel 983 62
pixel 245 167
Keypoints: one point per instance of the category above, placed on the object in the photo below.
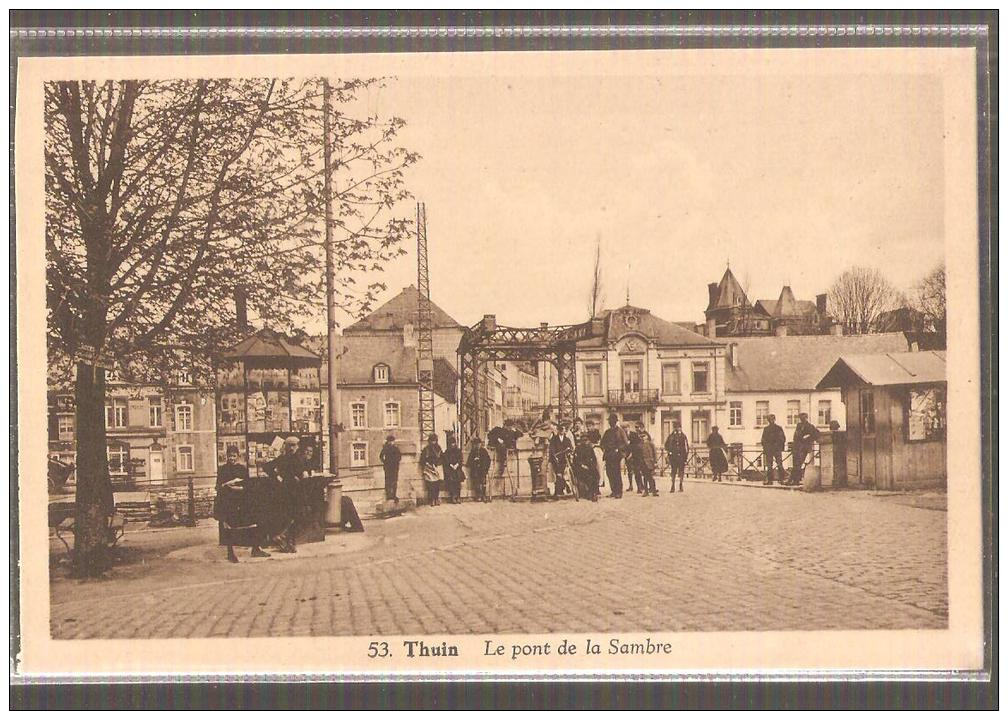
pixel 729 293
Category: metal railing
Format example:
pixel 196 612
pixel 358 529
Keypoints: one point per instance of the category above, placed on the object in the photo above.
pixel 744 463
pixel 647 396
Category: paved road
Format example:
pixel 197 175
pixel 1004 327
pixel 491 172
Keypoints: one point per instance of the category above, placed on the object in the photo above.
pixel 713 558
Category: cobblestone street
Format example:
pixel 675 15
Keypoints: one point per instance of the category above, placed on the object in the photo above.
pixel 715 557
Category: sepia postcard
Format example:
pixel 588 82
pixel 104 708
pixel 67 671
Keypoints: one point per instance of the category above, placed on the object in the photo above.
pixel 652 362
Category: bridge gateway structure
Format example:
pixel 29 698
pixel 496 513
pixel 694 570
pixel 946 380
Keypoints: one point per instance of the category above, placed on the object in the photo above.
pixel 486 342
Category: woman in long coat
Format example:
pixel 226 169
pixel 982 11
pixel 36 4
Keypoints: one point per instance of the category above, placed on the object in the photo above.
pixel 718 454
pixel 430 465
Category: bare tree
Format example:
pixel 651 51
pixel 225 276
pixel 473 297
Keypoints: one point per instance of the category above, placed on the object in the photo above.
pixel 859 296
pixel 596 299
pixel 930 298
pixel 161 196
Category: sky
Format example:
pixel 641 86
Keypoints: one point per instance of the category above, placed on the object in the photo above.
pixel 790 177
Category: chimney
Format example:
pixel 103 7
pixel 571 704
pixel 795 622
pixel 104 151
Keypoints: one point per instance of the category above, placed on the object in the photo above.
pixel 781 330
pixel 820 303
pixel 711 328
pixel 241 307
pixel 712 291
pixel 733 354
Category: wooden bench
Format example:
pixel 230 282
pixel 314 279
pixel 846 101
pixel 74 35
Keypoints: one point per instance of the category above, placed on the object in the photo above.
pixel 61 520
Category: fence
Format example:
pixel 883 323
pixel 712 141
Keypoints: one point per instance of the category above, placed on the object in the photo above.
pixel 743 462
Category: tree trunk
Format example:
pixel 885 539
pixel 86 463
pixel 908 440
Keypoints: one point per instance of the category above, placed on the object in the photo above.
pixel 94 487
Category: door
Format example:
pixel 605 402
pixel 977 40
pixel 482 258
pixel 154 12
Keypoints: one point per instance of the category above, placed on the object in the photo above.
pixel 156 466
pixel 868 451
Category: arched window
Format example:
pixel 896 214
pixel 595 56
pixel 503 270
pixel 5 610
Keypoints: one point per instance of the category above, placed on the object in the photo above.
pixel 381 373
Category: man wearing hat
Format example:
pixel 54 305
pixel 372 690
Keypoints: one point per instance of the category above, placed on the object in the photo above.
pixel 389 457
pixel 614 445
pixel 561 449
pixel 479 466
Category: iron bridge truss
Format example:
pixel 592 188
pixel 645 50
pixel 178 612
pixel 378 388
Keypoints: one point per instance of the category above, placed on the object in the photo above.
pixel 487 342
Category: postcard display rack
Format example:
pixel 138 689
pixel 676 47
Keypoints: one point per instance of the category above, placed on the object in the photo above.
pixel 269 389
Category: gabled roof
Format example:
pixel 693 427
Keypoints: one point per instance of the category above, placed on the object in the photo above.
pixel 729 293
pixel 910 368
pixel 789 363
pixel 398 311
pixel 633 319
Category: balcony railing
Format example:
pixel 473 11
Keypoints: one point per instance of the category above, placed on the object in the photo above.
pixel 647 396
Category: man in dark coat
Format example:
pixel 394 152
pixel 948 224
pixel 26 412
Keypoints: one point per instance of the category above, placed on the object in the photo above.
pixel 232 507
pixel 677 447
pixel 614 447
pixel 585 468
pixel 451 461
pixel 636 461
pixel 773 441
pixel 287 470
pixel 479 466
pixel 805 437
pixel 389 457
pixel 560 452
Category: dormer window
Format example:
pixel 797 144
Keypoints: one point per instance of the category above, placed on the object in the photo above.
pixel 381 373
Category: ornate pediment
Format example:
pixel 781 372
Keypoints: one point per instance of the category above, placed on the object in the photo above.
pixel 631 345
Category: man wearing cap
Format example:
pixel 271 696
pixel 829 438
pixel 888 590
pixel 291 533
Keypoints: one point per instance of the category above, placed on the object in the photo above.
pixel 479 466
pixel 677 449
pixel 805 437
pixel 773 441
pixel 389 457
pixel 287 470
pixel 614 445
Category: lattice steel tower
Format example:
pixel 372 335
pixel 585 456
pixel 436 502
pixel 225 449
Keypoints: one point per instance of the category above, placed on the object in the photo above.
pixel 425 330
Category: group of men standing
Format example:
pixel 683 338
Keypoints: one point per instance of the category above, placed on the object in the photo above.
pixel 585 455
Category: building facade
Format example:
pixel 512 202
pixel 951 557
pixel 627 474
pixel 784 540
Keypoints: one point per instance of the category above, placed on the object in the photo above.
pixel 155 435
pixel 649 370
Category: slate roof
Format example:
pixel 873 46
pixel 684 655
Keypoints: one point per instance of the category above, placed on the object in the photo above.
pixel 399 311
pixel 887 369
pixel 361 355
pixel 727 291
pixel 657 330
pixel 788 363
pixel 445 379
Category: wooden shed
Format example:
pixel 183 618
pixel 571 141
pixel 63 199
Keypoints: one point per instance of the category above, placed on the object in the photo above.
pixel 896 418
